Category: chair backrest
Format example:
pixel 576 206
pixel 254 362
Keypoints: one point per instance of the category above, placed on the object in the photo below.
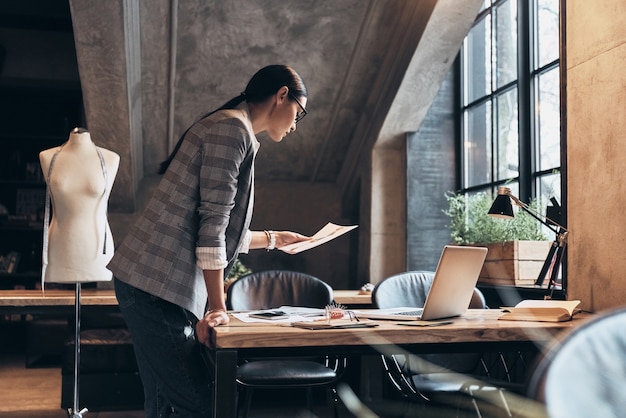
pixel 410 289
pixel 585 373
pixel 274 288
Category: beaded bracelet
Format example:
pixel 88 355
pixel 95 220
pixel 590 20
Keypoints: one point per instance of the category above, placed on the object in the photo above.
pixel 271 239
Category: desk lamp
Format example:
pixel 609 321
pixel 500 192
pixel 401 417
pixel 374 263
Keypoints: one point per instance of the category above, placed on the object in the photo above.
pixel 502 208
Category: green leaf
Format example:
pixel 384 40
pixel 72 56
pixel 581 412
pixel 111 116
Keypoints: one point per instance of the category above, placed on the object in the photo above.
pixel 470 223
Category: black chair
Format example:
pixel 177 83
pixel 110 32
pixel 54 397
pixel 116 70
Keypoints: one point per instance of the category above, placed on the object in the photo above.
pixel 436 380
pixel 584 374
pixel 272 289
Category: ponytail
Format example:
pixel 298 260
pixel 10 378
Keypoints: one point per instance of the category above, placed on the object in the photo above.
pixel 231 104
pixel 266 82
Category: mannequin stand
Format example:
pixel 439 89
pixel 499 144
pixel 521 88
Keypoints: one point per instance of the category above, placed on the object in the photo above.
pixel 76 412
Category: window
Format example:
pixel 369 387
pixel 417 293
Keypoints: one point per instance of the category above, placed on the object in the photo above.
pixel 510 110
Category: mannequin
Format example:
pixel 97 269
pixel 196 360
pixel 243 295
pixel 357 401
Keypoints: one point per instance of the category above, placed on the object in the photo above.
pixel 79 176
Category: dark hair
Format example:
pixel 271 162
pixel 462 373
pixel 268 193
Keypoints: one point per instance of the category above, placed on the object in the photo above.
pixel 261 86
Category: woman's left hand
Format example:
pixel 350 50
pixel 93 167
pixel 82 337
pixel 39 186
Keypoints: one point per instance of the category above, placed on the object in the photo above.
pixel 210 320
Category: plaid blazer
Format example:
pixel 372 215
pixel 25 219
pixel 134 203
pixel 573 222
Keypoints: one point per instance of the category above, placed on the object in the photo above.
pixel 204 199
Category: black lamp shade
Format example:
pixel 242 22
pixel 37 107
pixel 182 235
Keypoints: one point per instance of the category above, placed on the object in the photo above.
pixel 501 207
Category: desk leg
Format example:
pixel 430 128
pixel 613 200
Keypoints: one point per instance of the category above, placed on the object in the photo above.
pixel 225 385
pixel 373 379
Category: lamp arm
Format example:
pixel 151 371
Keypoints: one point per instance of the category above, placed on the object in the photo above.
pixel 543 219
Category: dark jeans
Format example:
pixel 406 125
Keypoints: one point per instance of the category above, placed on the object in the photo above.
pixel 174 375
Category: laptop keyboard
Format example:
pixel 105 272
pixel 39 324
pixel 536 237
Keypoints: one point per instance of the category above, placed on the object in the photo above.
pixel 411 313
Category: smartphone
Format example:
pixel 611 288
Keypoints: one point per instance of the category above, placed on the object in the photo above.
pixel 269 315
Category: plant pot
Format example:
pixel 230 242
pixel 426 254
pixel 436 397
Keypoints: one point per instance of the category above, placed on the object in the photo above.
pixel 515 263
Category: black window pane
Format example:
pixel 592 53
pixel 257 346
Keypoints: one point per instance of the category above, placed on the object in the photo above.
pixel 478 61
pixel 548 120
pixel 506 43
pixel 478 145
pixel 547 35
pixel 507 163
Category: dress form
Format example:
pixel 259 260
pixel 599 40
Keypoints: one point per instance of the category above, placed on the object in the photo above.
pixel 79 176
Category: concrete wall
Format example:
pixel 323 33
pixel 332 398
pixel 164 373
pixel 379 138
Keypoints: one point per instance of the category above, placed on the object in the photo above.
pixel 149 70
pixel 596 155
pixel 373 69
pixel 305 207
pixel 428 66
pixel 430 174
pixel 595 124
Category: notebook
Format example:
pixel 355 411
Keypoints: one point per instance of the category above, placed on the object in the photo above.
pixel 451 291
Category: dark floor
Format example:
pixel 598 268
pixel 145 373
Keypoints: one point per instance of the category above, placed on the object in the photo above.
pixel 30 372
pixel 34 391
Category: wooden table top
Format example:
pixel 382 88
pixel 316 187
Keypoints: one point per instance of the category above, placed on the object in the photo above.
pixel 352 297
pixel 56 297
pixel 106 297
pixel 477 325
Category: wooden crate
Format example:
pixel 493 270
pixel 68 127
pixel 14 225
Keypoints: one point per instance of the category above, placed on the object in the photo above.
pixel 516 263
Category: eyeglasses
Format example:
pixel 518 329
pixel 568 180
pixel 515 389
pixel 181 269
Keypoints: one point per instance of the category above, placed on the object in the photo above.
pixel 300 115
pixel 334 311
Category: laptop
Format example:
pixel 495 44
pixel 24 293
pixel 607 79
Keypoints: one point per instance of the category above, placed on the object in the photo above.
pixel 451 291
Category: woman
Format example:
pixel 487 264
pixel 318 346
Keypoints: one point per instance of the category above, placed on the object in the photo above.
pixel 169 271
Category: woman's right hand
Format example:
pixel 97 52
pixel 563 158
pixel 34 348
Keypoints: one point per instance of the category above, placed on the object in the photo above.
pixel 212 319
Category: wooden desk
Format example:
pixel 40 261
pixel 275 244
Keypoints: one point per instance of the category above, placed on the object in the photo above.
pixel 352 298
pixel 478 330
pixel 36 301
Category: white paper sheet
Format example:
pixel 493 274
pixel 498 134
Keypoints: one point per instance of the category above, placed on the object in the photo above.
pixel 329 232
pixel 294 314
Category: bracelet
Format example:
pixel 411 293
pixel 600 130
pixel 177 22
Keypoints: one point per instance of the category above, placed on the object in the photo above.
pixel 271 239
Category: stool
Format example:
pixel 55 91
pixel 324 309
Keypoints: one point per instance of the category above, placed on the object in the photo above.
pixel 45 339
pixel 108 377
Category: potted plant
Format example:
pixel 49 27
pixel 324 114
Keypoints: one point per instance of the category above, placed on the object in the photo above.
pixel 517 248
pixel 237 270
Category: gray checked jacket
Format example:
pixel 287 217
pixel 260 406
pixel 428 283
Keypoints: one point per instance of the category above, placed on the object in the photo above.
pixel 204 200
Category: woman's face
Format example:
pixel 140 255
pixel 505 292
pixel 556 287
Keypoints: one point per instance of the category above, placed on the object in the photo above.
pixel 283 116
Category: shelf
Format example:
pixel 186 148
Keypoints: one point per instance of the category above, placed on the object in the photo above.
pixel 23 228
pixel 22 183
pixel 19 280
pixel 40 84
pixel 38 109
pixel 23 275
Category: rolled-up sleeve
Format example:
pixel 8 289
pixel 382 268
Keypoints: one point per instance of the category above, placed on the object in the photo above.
pixel 211 258
pixel 214 258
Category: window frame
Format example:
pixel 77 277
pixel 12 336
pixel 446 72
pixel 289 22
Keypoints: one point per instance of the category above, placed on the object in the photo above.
pixel 529 175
